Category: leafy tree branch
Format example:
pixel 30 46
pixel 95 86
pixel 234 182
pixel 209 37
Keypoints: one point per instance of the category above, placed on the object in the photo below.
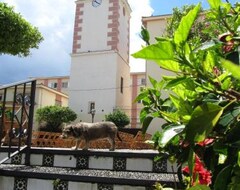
pixel 17 36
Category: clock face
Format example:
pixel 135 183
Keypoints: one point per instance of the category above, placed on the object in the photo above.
pixel 96 3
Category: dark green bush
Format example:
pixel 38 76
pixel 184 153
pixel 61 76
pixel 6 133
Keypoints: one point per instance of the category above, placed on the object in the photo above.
pixel 51 118
pixel 118 117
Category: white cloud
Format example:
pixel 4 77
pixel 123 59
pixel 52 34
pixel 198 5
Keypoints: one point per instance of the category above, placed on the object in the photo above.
pixel 55 20
pixel 139 9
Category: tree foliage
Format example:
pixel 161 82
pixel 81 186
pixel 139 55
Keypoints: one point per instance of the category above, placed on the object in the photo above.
pixel 197 34
pixel 51 118
pixel 203 106
pixel 17 36
pixel 118 117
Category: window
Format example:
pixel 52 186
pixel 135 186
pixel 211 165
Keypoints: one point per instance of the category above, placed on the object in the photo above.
pixel 53 85
pixel 124 11
pixel 64 84
pixel 141 81
pixel 121 85
pixel 1 97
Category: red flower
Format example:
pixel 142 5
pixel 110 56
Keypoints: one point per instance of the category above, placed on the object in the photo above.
pixel 199 172
pixel 205 142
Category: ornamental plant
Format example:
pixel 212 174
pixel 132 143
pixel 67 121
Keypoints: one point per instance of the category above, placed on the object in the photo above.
pixel 202 111
pixel 51 118
pixel 118 117
pixel 7 112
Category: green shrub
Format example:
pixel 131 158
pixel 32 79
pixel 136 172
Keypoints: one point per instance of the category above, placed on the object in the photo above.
pixel 51 118
pixel 119 118
pixel 7 112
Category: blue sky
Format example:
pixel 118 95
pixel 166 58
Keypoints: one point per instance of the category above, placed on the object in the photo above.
pixel 55 19
pixel 165 7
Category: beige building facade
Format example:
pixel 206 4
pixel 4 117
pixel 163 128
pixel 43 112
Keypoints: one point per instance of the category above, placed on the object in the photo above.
pixel 156 26
pixel 138 81
pixel 44 96
pixel 59 83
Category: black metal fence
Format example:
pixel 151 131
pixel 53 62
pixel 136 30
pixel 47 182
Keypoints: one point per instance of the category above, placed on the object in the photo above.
pixel 17 102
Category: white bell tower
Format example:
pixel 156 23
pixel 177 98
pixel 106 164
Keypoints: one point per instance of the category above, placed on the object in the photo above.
pixel 100 72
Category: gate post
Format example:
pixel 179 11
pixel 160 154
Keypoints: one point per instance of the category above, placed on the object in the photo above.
pixel 30 122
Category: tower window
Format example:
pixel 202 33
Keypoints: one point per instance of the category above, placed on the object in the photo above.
pixel 121 85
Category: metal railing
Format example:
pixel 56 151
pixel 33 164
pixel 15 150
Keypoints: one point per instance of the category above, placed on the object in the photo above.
pixel 17 102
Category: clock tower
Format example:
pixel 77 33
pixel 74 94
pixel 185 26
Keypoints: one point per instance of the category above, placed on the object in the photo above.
pixel 100 72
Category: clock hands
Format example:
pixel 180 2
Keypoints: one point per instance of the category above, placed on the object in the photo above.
pixel 96 3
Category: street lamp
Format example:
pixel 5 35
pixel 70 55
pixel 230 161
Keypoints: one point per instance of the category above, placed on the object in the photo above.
pixel 92 112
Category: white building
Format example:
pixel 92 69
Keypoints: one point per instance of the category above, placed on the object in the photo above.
pixel 100 72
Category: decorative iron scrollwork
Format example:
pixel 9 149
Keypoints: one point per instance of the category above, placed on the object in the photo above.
pixel 26 99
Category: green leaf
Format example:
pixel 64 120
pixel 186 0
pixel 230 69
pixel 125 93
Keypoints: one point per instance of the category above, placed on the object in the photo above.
pixel 168 65
pixel 168 133
pixel 237 22
pixel 229 117
pixel 162 50
pixel 233 135
pixel 231 67
pixel 175 82
pixel 209 62
pixel 223 178
pixel 199 187
pixel 222 158
pixel 191 161
pixel 141 96
pixel 210 97
pixel 238 161
pixel 181 34
pixel 169 116
pixel 175 100
pixel 145 35
pixel 220 148
pixel 152 81
pixel 184 109
pixel 203 119
pixel 143 114
pixel 214 4
pixel 159 38
pixel 146 123
pixel 236 144
pixel 222 77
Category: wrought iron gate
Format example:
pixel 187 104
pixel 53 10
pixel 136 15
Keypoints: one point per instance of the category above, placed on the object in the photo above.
pixel 16 118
